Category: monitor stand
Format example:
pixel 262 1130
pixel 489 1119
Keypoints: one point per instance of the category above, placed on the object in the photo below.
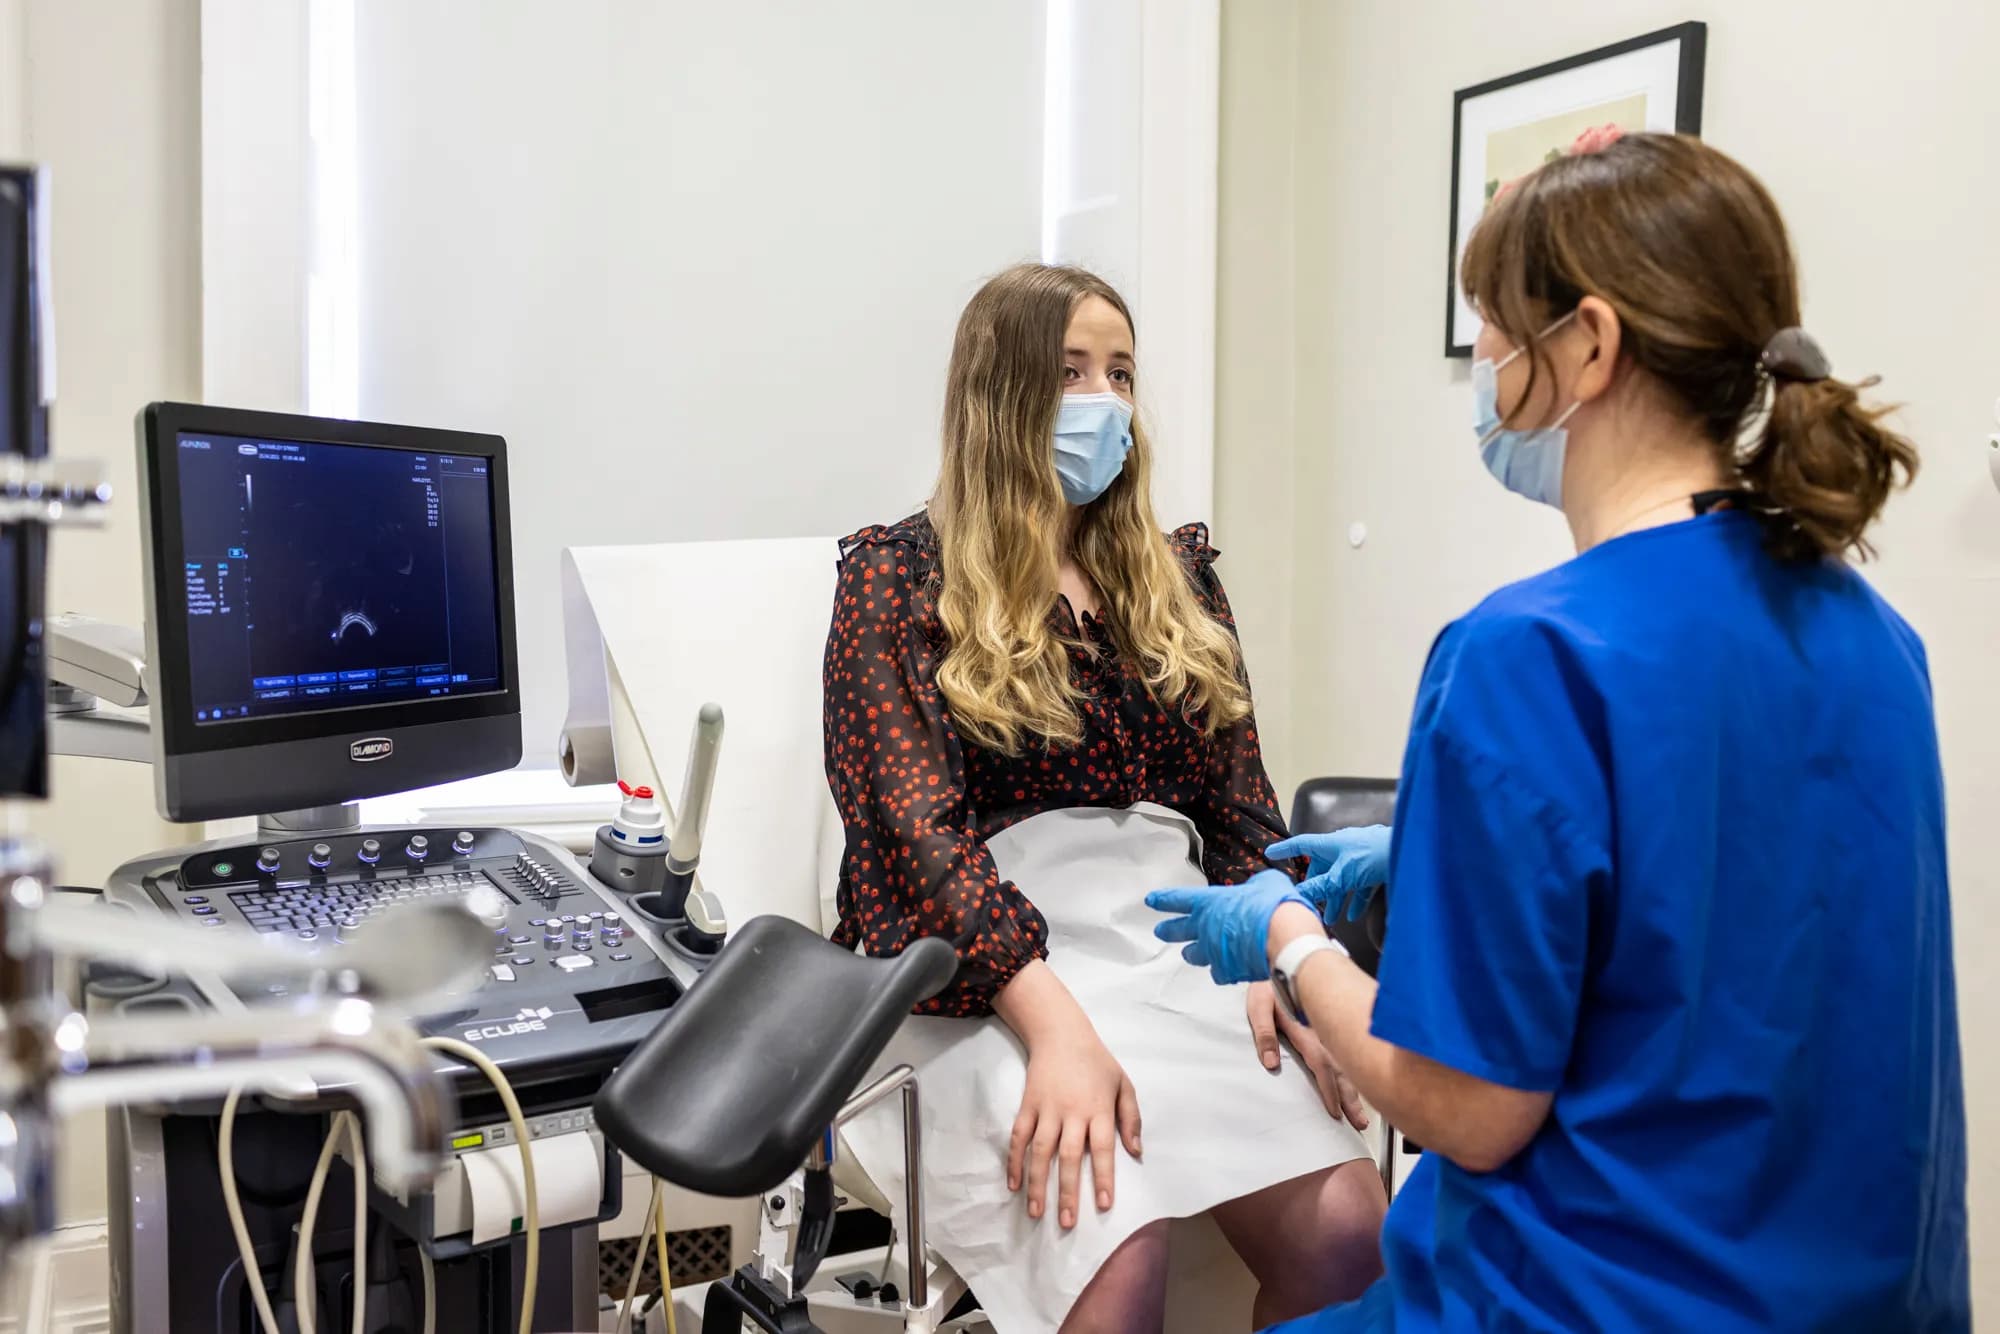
pixel 310 820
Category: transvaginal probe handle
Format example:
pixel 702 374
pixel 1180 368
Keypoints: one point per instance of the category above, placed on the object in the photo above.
pixel 684 848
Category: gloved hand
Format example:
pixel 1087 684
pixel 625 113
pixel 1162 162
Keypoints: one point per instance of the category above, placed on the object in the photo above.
pixel 1347 867
pixel 1226 925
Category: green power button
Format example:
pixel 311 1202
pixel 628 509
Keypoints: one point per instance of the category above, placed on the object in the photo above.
pixel 223 868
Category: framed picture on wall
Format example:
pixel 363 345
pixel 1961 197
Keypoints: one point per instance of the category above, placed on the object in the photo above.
pixel 1507 127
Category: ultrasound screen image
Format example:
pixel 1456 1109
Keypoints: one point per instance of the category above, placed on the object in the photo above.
pixel 324 576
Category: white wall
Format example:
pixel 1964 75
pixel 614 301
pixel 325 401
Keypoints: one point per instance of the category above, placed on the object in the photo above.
pixel 1128 190
pixel 13 80
pixel 1873 125
pixel 699 264
pixel 1254 525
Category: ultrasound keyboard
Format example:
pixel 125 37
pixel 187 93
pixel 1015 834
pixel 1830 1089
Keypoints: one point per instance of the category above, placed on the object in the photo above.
pixel 309 910
pixel 576 976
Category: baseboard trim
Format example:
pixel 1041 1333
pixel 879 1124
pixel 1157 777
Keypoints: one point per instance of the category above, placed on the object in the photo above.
pixel 63 1285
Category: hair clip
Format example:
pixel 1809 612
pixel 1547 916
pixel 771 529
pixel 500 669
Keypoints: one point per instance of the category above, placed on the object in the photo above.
pixel 1596 139
pixel 1793 354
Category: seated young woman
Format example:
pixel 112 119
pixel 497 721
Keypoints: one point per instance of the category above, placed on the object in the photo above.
pixel 1036 706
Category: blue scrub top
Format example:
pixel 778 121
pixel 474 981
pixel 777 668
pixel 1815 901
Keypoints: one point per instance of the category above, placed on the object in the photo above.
pixel 1670 844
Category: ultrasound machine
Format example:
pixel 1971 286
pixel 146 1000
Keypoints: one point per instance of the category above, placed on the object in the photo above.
pixel 330 617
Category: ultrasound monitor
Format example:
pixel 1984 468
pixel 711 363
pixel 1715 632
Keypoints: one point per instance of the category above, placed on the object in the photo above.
pixel 330 609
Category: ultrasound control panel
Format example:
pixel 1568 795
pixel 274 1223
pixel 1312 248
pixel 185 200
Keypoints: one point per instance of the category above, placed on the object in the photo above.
pixel 576 978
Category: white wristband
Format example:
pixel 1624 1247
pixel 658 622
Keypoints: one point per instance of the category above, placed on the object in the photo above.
pixel 1285 971
pixel 1294 954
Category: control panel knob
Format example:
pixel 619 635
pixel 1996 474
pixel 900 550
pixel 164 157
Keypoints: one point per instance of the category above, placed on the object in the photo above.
pixel 418 849
pixel 462 845
pixel 552 932
pixel 268 861
pixel 612 928
pixel 320 857
pixel 580 930
pixel 370 853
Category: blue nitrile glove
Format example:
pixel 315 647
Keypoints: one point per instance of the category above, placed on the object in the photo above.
pixel 1347 867
pixel 1226 925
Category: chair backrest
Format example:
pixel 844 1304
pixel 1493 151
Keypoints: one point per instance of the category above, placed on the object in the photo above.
pixel 743 624
pixel 1322 805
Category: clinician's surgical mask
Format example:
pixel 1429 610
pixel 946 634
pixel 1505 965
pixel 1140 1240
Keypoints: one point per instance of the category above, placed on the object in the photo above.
pixel 1528 463
pixel 1093 435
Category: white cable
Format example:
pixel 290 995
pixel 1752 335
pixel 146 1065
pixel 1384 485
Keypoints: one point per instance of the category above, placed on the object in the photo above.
pixel 302 1291
pixel 305 1292
pixel 429 1267
pixel 225 1160
pixel 666 1277
pixel 888 1256
pixel 651 1216
pixel 304 1298
pixel 531 1205
pixel 360 1323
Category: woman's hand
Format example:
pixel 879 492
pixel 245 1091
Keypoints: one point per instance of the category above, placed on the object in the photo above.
pixel 1077 1100
pixel 1338 1095
pixel 1261 1006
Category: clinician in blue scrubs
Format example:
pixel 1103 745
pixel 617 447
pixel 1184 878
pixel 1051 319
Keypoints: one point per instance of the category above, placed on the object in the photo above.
pixel 1667 991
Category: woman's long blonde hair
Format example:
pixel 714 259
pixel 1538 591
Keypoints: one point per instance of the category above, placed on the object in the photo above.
pixel 1000 516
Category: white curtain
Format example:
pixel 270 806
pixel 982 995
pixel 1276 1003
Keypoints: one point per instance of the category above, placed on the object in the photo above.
pixel 698 263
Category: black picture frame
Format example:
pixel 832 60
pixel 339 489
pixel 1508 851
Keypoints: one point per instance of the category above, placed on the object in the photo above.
pixel 1692 38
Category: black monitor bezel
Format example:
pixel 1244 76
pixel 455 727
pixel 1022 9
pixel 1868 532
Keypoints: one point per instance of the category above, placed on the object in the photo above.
pixel 173 705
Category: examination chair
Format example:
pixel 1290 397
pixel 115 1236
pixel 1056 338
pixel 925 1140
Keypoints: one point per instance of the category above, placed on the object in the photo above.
pixel 745 1082
pixel 773 848
pixel 1320 806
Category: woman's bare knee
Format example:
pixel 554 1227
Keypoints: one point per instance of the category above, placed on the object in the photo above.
pixel 1128 1294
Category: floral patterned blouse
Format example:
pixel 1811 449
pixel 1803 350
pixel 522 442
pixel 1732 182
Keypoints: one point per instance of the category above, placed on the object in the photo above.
pixel 919 802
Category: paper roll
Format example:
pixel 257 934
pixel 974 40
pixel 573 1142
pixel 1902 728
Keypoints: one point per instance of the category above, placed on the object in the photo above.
pixel 586 755
pixel 569 1184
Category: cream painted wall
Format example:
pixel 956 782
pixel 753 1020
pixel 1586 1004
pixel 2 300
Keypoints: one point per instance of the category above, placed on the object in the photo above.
pixel 111 108
pixel 1874 126
pixel 13 80
pixel 1253 523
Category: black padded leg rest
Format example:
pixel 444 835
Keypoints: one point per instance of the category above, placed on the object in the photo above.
pixel 728 1095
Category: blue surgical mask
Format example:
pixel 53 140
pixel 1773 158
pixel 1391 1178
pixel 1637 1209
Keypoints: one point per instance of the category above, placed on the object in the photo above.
pixel 1093 435
pixel 1528 463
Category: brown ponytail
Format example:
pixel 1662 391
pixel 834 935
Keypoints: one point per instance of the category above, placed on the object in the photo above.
pixel 1826 463
pixel 1690 251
